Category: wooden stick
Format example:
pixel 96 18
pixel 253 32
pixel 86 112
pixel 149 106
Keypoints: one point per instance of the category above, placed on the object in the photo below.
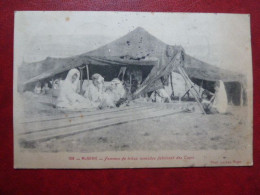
pixel 186 93
pixel 87 73
pixel 171 77
pixel 201 84
pixel 130 81
pixel 241 95
pixel 81 79
pixel 187 80
pixel 52 81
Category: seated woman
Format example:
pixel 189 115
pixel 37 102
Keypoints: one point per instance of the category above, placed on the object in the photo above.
pixel 96 90
pixel 45 88
pixel 38 88
pixel 68 97
pixel 117 89
pixel 114 94
pixel 218 102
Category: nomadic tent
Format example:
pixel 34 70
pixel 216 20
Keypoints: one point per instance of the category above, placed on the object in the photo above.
pixel 137 49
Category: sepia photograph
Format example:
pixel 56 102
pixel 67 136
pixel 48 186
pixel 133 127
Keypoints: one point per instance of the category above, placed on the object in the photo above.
pixel 132 89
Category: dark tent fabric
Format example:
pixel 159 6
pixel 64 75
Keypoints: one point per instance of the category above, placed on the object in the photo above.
pixel 60 65
pixel 139 44
pixel 153 80
pixel 137 48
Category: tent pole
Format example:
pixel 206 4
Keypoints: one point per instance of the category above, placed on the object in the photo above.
pixel 81 79
pixel 122 71
pixel 123 77
pixel 171 77
pixel 52 82
pixel 241 95
pixel 87 72
pixel 130 81
pixel 201 84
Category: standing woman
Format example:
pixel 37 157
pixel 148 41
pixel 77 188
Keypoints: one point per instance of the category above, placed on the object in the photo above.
pixel 68 97
pixel 220 102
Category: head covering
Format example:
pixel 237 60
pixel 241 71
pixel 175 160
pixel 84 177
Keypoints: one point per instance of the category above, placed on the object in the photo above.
pixel 118 91
pixel 68 97
pixel 97 76
pixel 68 90
pixel 68 81
pixel 221 101
pixel 116 80
pixel 98 81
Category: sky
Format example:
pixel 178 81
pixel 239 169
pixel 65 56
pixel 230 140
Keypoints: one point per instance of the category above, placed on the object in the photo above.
pixel 222 40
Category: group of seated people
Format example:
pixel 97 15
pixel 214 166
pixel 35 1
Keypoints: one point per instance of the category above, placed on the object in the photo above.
pixel 95 96
pixel 38 89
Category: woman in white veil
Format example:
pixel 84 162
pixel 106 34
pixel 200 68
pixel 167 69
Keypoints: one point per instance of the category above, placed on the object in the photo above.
pixel 220 102
pixel 68 97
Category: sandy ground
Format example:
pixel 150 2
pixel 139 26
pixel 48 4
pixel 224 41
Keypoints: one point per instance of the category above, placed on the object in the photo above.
pixel 182 131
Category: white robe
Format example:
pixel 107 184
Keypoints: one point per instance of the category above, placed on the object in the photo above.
pixel 114 95
pixel 118 93
pixel 94 94
pixel 221 102
pixel 68 97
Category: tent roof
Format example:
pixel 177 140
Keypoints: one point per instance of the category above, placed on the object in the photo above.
pixel 201 70
pixel 65 64
pixel 136 44
pixel 140 44
pixel 138 47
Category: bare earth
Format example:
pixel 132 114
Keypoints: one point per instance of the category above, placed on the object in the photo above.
pixel 181 131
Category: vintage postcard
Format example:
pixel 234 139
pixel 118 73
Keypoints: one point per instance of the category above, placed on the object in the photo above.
pixel 132 89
